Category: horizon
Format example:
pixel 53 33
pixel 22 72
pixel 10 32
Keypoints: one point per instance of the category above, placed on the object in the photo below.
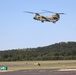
pixel 39 46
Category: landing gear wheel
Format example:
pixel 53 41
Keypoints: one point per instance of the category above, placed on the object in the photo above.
pixel 42 21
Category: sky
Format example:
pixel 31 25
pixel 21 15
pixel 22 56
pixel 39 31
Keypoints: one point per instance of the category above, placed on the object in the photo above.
pixel 20 30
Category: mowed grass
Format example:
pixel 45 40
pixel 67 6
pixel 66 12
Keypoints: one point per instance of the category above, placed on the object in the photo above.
pixel 20 65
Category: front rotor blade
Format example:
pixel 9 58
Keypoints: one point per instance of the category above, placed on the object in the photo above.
pixel 61 13
pixel 33 12
pixel 29 12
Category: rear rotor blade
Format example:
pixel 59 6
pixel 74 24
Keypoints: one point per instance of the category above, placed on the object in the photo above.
pixel 52 12
pixel 48 11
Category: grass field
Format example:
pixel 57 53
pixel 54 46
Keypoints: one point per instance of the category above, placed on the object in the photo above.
pixel 20 65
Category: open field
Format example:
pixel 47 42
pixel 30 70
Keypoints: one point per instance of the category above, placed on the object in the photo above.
pixel 23 65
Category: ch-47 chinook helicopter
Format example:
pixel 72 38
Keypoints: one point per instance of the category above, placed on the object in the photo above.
pixel 54 18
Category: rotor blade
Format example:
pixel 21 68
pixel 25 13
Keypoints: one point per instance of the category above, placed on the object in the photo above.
pixel 42 12
pixel 34 12
pixel 52 12
pixel 60 13
pixel 29 12
pixel 48 11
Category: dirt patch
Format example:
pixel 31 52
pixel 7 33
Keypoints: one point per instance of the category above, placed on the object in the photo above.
pixel 67 70
pixel 6 70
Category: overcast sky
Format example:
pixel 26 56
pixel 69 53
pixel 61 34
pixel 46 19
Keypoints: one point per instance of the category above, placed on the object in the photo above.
pixel 20 30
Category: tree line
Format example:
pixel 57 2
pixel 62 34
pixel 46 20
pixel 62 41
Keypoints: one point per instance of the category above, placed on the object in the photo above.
pixel 57 51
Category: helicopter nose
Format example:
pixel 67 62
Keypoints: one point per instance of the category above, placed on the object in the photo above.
pixel 34 18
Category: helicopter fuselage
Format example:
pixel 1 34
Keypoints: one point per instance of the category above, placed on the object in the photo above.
pixel 53 19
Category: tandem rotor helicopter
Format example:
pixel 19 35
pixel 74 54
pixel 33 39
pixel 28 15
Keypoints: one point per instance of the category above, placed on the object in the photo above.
pixel 54 18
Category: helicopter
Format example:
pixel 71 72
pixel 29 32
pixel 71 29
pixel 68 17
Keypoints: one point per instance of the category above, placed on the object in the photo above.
pixel 54 18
